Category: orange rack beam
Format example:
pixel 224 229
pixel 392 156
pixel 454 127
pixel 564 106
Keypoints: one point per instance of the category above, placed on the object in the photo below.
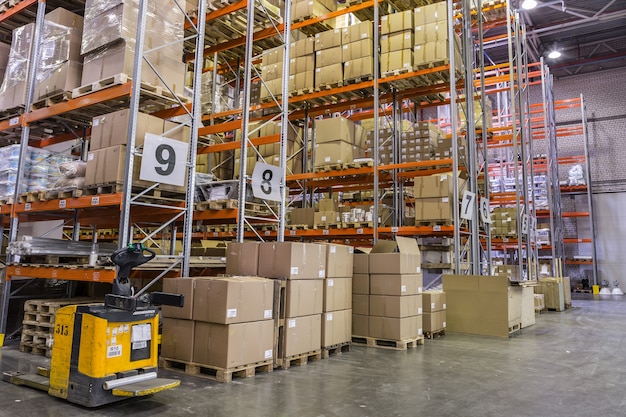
pixel 73 273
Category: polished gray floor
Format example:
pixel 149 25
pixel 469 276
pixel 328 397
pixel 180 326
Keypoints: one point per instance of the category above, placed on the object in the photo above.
pixel 568 364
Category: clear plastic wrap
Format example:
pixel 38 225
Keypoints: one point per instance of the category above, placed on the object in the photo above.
pixel 576 175
pixel 12 91
pixel 60 45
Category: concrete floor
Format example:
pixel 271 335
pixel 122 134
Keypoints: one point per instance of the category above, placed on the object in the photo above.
pixel 568 364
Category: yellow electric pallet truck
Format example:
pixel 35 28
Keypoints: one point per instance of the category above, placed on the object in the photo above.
pixel 103 353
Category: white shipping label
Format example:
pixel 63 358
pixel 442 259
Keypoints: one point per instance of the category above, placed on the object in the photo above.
pixel 419 331
pixel 96 122
pixel 444 306
pixel 351 249
pixel 322 273
pixel 114 351
pixel 140 332
pixel 333 249
pixel 403 288
pixel 114 332
pixel 444 324
pixel 432 306
pixel 267 314
pixel 90 157
pixel 419 290
pixel 323 218
pixel 291 324
pixel 329 316
pixel 113 341
pixel 445 200
pixel 331 282
pixel 419 311
pixel 140 345
pixel 327 159
pixel 268 354
pixel 231 313
pixel 294 270
pixel 418 270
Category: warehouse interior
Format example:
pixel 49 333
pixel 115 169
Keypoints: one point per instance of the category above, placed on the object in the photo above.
pixel 323 208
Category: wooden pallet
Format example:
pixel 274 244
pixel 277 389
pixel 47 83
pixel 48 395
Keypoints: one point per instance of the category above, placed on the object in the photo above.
pixel 540 310
pixel 216 373
pixel 387 343
pixel 357 225
pixel 54 260
pixel 582 291
pixel 299 360
pixel 32 197
pixel 51 99
pixel 327 226
pixel 396 72
pixel 515 328
pixel 336 350
pixel 435 333
pixel 40 350
pixel 8 5
pixel 116 79
pixel 433 223
pixel 360 79
pixel 301 92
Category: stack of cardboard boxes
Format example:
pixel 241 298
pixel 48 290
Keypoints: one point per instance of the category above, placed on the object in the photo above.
pixel 5 50
pixel 478 114
pixel 328 58
pixel 13 89
pixel 337 141
pixel 387 292
pixel 226 322
pixel 431 36
pixel 107 157
pixel 433 198
pixel 417 143
pixel 434 312
pixel 396 42
pixel 302 65
pixel 272 73
pixel 108 44
pixel 337 300
pixel 307 9
pixel 358 51
pixel 327 214
pixel 504 221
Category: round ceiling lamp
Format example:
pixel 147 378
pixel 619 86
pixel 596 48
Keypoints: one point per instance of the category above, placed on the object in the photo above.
pixel 554 54
pixel 529 4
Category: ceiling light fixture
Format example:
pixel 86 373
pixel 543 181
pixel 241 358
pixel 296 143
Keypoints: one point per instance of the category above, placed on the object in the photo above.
pixel 529 4
pixel 554 54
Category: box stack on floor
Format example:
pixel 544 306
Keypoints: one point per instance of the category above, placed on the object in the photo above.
pixel 390 313
pixel 108 44
pixel 434 313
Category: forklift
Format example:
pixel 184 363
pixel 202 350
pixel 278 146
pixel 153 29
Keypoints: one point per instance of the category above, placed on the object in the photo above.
pixel 103 353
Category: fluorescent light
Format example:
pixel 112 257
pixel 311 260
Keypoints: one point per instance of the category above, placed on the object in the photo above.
pixel 554 54
pixel 529 4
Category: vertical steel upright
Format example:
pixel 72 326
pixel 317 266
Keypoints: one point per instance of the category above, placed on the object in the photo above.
pixel 455 151
pixel 594 254
pixel 376 120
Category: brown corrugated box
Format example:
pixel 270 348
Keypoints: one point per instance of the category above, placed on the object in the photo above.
pixel 397 41
pixel 242 258
pixel 329 74
pixel 177 339
pixel 394 328
pixel 361 304
pixel 233 300
pixel 302 64
pixel 434 301
pixel 325 218
pixel 435 209
pixel 327 39
pixel 357 32
pixel 359 67
pixel 395 306
pixel 334 129
pixel 339 260
pixel 303 216
pixel 360 283
pixel 304 297
pixel 232 345
pixel 302 335
pixel 383 259
pixel 434 321
pixel 361 263
pixel 358 49
pixel 396 60
pixel 396 284
pixel 396 22
pixel 292 260
pixel 336 152
pixel 337 294
pixel 302 80
pixel 302 47
pixel 184 286
pixel 360 325
pixel 328 56
pixel 65 77
pixel 112 129
pixel 440 185
pixel 336 327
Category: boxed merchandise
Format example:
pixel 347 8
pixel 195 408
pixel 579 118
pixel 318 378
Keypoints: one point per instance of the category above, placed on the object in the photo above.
pixel 328 75
pixel 233 300
pixel 306 9
pixel 184 286
pixel 334 129
pixel 360 283
pixel 272 71
pixel 305 216
pixel 232 345
pixel 242 258
pixel 302 47
pixel 329 56
pixel 13 89
pixel 339 260
pixel 396 22
pixel 337 294
pixel 336 152
pixel 396 60
pixel 302 80
pixel 302 335
pixel 396 41
pixel 395 284
pixel 360 49
pixel 361 304
pixel 439 185
pixel 327 39
pixel 359 68
pixel 325 218
pixel 358 32
pixel 292 260
pixel 304 297
pixel 434 301
pixel 305 63
pixel 435 12
pixel 434 209
pixel 336 327
pixel 384 260
pixel 434 321
pixel 112 129
pixel 177 339
pixel 361 263
pixel 360 325
pixel 394 328
pixel 395 306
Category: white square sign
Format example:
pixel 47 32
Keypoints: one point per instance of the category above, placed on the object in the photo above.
pixel 164 160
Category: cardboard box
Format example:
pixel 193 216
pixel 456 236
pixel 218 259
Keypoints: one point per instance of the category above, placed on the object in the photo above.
pixel 552 289
pixel 302 335
pixel 396 22
pixel 304 297
pixel 328 75
pixel 396 41
pixel 361 264
pixel 242 258
pixel 358 68
pixel 232 345
pixel 434 209
pixel 308 8
pixel 361 304
pixel 384 260
pixel 303 64
pixel 528 307
pixel 435 12
pixel 292 260
pixel 394 328
pixel 177 339
pixel 396 284
pixel 357 32
pixel 334 129
pixel 434 301
pixel 440 185
pixel 396 60
pixel 360 325
pixel 360 284
pixel 395 306
pixel 64 77
pixel 337 294
pixel 336 327
pixel 339 260
pixel 111 129
pixel 434 321
pixel 327 39
pixel 233 300
pixel 303 216
pixel 184 286
pixel 272 71
pixel 359 49
pixel 336 152
pixel 328 56
pixel 325 218
pixel 302 47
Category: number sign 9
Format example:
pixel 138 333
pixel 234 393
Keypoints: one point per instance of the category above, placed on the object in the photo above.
pixel 164 160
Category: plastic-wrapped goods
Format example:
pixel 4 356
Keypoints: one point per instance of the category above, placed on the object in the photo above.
pixel 576 175
pixel 13 89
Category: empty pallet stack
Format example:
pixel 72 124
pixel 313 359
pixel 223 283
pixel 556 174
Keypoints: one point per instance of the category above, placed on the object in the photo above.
pixel 434 313
pixel 394 298
pixel 226 328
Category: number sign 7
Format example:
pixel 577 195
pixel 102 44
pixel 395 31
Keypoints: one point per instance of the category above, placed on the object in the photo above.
pixel 467 205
